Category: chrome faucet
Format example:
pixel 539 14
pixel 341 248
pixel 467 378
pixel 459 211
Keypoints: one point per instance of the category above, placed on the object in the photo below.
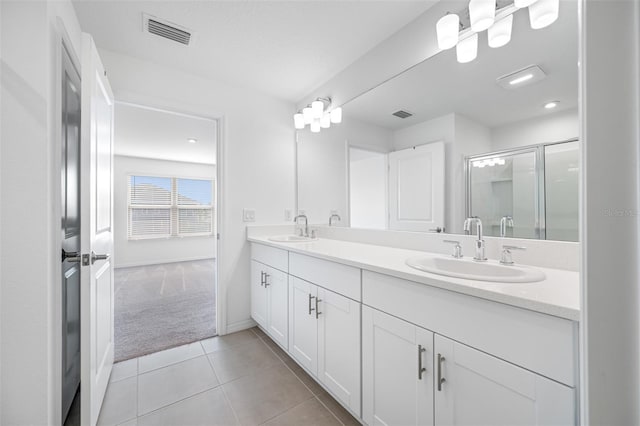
pixel 306 224
pixel 504 222
pixel 480 256
pixel 333 215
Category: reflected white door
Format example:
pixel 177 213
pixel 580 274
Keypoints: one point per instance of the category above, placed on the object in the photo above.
pixel 96 294
pixel 416 188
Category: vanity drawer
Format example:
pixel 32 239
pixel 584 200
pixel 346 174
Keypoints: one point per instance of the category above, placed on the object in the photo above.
pixel 271 256
pixel 336 277
pixel 538 342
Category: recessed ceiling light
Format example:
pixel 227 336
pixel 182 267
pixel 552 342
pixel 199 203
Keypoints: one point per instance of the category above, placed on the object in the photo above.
pixel 192 140
pixel 551 105
pixel 522 77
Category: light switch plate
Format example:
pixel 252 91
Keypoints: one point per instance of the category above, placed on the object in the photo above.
pixel 249 215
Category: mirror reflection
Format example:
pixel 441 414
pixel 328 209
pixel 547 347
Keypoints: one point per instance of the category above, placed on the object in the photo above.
pixel 444 141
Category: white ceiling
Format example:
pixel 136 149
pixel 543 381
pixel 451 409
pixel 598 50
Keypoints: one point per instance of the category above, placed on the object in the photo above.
pixel 283 48
pixel 161 135
pixel 440 85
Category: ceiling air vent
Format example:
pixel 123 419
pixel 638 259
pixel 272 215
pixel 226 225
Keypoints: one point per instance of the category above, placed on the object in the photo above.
pixel 402 114
pixel 166 29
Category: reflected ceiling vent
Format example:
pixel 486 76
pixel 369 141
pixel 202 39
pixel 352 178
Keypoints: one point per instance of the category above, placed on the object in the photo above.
pixel 402 114
pixel 166 29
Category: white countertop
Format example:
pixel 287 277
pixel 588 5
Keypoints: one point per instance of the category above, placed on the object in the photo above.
pixel 557 295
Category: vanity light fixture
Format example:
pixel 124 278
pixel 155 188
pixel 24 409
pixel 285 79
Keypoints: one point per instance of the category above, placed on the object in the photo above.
pixel 318 115
pixel 482 14
pixel 551 105
pixel 496 16
pixel 192 140
pixel 543 13
pixel 499 33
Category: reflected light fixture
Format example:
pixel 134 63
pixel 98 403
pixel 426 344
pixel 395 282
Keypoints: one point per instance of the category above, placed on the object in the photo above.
pixel 523 3
pixel 499 33
pixel 318 115
pixel 522 77
pixel 447 30
pixel 482 14
pixel 467 49
pixel 551 105
pixel 192 140
pixel 543 13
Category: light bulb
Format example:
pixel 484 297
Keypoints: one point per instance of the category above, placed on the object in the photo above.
pixel 467 49
pixel 543 13
pixel 317 107
pixel 482 14
pixel 325 121
pixel 447 30
pixel 307 113
pixel 500 33
pixel 315 126
pixel 523 3
pixel 298 121
pixel 336 115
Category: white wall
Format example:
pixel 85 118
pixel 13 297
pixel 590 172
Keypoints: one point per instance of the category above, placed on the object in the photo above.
pixel 462 137
pixel 164 250
pixel 322 174
pixel 30 222
pixel 256 163
pixel 556 127
pixel 610 93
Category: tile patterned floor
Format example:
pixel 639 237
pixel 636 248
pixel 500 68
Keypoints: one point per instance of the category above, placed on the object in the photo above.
pixel 239 379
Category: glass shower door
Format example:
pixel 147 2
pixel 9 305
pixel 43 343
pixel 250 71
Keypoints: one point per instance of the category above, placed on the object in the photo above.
pixel 561 165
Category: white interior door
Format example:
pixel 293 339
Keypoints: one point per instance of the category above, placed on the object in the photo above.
pixel 96 294
pixel 416 188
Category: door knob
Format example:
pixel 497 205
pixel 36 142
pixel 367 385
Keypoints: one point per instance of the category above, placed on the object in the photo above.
pixel 96 257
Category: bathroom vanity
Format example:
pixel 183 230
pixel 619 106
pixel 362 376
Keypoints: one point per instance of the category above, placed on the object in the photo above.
pixel 396 345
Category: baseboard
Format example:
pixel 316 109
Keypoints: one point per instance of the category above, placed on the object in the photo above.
pixel 240 325
pixel 160 262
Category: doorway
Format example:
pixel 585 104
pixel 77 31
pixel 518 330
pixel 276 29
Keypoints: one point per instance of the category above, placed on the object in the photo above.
pixel 165 245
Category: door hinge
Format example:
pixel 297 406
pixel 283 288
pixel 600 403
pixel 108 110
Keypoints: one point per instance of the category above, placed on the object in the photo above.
pixel 218 236
pixel 86 260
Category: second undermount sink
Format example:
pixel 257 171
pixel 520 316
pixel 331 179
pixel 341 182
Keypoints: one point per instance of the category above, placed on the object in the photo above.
pixel 291 239
pixel 471 270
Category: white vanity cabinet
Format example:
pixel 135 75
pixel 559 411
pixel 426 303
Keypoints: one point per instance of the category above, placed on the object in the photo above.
pixel 479 389
pixel 270 292
pixel 397 371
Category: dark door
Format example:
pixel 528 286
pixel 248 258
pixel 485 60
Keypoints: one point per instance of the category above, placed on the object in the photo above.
pixel 70 227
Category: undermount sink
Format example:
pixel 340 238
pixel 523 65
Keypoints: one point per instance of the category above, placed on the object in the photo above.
pixel 472 270
pixel 291 239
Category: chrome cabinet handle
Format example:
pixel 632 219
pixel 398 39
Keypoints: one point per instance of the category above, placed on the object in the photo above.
pixel 96 257
pixel 266 277
pixel 441 379
pixel 421 369
pixel 310 308
pixel 262 274
pixel 317 310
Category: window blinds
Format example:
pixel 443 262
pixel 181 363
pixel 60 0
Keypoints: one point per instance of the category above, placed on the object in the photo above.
pixel 161 207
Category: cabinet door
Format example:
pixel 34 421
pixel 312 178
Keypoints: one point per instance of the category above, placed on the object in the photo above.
pixel 395 389
pixel 303 326
pixel 277 302
pixel 258 294
pixel 339 347
pixel 479 389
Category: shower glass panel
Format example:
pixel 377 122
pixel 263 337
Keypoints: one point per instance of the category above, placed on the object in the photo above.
pixel 561 163
pixel 505 185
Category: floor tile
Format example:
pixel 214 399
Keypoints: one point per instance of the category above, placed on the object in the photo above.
pixel 119 403
pixel 310 412
pixel 338 410
pixel 265 395
pixel 225 342
pixel 169 356
pixel 173 383
pixel 276 348
pixel 207 408
pixel 242 360
pixel 258 331
pixel 124 370
pixel 304 377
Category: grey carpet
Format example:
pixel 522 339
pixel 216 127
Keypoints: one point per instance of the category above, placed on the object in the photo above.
pixel 158 307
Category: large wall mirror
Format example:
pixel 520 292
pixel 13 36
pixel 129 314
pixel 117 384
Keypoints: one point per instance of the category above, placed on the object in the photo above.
pixel 443 141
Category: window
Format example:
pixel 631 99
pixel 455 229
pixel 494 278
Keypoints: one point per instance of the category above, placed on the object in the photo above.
pixel 162 207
